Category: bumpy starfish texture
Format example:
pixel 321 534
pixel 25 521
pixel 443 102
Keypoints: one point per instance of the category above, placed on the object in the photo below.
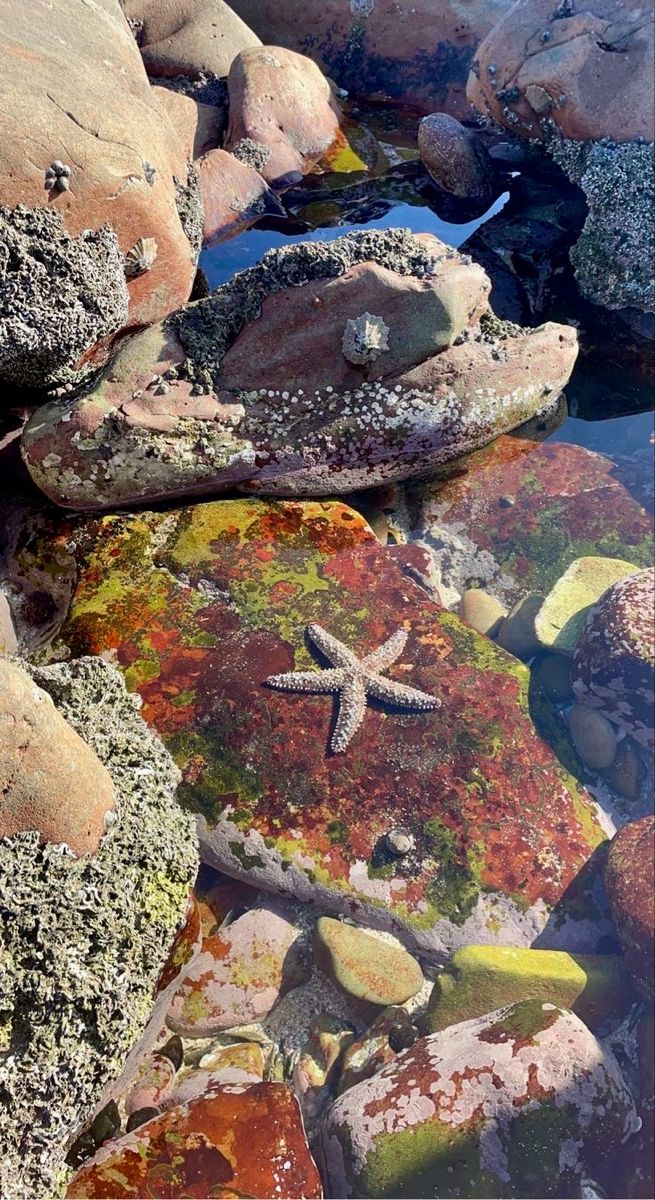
pixel 354 679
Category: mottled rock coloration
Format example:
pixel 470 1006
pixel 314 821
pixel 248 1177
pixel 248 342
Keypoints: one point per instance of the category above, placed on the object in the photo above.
pixel 456 158
pixel 193 407
pixel 235 1141
pixel 564 612
pixel 630 882
pixel 124 159
pixel 234 196
pixel 416 52
pixel 523 512
pixel 198 606
pixel 83 941
pixel 282 103
pixel 363 966
pixel 188 37
pixel 479 979
pixel 614 662
pixel 72 804
pixel 519 1103
pixel 239 975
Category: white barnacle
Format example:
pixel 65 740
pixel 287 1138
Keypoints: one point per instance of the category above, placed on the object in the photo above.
pixel 141 257
pixel 365 339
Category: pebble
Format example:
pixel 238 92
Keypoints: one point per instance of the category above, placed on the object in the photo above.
pixel 481 611
pixel 517 632
pixel 364 966
pixel 593 736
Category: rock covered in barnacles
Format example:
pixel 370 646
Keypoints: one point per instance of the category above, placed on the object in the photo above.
pixel 260 394
pixel 365 339
pixel 83 941
pixel 141 257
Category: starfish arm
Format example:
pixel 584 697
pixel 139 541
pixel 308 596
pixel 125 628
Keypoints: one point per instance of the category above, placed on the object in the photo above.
pixel 352 706
pixel 398 693
pixel 307 681
pixel 387 653
pixel 338 654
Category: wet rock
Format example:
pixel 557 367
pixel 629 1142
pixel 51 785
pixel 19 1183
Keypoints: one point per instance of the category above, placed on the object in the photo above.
pixel 198 126
pixel 153 1084
pixel 280 101
pixel 123 157
pixel 479 979
pixel 481 611
pixel 562 616
pixel 130 439
pixel 363 966
pixel 517 632
pixel 630 882
pixel 553 674
pixel 318 1065
pixel 627 772
pixel 239 975
pixel 245 1140
pixel 634 1177
pixel 567 502
pixel 201 605
pixel 414 52
pixel 188 37
pixel 614 662
pixel 234 196
pixel 529 1081
pixel 593 737
pixel 199 1082
pixel 86 939
pixel 241 1056
pixel 390 1032
pixel 456 158
pixel 72 804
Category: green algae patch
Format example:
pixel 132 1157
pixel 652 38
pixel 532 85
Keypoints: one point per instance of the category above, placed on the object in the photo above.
pixel 433 1159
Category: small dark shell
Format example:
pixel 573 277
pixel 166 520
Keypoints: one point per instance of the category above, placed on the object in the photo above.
pixel 57 166
pixel 63 183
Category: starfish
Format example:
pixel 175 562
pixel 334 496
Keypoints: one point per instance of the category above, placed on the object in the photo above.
pixel 354 679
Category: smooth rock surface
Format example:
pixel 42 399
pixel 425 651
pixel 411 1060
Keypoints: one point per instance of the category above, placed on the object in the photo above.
pixel 363 966
pixel 69 804
pixel 234 196
pixel 246 1140
pixel 614 662
pixel 517 632
pixel 630 882
pixel 200 605
pixel 280 101
pixel 188 37
pixel 563 614
pixel 198 126
pixel 455 158
pixel 593 737
pixel 481 611
pixel 516 1103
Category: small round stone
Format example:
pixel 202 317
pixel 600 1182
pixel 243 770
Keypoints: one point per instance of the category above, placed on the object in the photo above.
pixel 481 611
pixel 517 632
pixel 364 966
pixel 399 841
pixel 593 736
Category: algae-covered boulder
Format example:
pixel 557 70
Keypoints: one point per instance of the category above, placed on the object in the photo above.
pixel 562 616
pixel 518 1103
pixel 83 940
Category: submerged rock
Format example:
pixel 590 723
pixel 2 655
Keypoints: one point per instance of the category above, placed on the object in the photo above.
pixel 201 605
pixel 234 391
pixel 519 1102
pixel 83 941
pixel 456 158
pixel 241 1140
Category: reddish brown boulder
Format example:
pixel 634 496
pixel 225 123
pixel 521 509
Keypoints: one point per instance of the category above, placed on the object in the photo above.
pixel 198 126
pixel 630 882
pixel 234 196
pixel 411 51
pixel 234 1141
pixel 188 37
pixel 91 110
pixel 588 71
pixel 50 780
pixel 280 101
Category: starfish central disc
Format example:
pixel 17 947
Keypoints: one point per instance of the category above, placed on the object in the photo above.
pixel 354 679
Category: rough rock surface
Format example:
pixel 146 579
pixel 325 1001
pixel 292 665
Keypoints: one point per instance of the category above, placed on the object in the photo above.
pixel 200 605
pixel 234 196
pixel 523 512
pixel 76 91
pixel 614 662
pixel 280 101
pixel 234 1141
pixel 239 975
pixel 83 941
pixel 68 805
pixel 520 1102
pixel 455 158
pixel 188 37
pixel 416 52
pixel 168 420
pixel 630 882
